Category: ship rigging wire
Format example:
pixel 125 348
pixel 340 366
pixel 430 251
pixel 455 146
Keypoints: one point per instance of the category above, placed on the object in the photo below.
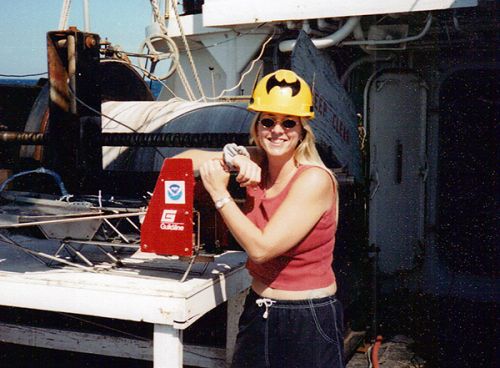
pixel 103 326
pixel 22 75
pixel 178 66
pixel 188 50
pixel 110 118
pixel 63 17
pixel 186 45
pixel 154 77
pixel 182 75
pixel 247 72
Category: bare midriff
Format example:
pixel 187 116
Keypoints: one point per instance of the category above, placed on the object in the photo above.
pixel 278 294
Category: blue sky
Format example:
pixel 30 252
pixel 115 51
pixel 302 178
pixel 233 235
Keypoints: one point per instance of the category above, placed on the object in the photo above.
pixel 24 24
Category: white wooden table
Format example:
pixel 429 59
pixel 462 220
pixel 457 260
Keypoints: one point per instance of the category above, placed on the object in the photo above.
pixel 151 296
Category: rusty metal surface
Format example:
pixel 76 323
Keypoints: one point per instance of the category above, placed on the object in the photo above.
pixel 22 138
pixel 37 123
pixel 72 135
pixel 58 75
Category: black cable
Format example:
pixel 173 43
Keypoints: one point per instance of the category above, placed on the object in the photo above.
pixel 22 75
pixel 101 325
pixel 110 118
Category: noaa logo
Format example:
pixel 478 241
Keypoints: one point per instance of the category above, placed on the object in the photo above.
pixel 174 192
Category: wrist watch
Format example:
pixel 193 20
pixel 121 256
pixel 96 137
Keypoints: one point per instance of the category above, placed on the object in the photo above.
pixel 222 202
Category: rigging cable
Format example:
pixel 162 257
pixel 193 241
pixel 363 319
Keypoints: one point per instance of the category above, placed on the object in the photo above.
pixel 103 326
pixel 110 118
pixel 242 34
pixel 182 75
pixel 63 18
pixel 190 56
pixel 247 72
pixel 153 77
pixel 22 75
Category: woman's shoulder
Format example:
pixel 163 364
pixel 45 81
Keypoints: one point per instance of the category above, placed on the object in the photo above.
pixel 314 187
pixel 316 178
pixel 313 172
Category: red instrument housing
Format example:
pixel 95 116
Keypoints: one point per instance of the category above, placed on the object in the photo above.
pixel 167 228
pixel 181 219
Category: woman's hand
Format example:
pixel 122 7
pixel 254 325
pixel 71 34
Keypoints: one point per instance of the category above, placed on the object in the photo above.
pixel 215 177
pixel 249 173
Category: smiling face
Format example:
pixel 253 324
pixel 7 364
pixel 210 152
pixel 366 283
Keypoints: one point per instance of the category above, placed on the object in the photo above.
pixel 277 135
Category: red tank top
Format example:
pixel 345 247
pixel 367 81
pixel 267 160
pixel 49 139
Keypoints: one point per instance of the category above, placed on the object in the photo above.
pixel 308 265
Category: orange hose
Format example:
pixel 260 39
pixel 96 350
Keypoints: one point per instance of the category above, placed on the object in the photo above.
pixel 376 347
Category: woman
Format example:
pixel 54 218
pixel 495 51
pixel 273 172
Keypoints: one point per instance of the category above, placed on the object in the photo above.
pixel 291 317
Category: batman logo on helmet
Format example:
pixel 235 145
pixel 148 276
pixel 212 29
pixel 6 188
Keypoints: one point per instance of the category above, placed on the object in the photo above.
pixel 297 102
pixel 273 82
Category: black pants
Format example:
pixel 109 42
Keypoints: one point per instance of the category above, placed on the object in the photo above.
pixel 302 334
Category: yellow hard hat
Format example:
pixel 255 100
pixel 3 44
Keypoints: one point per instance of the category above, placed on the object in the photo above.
pixel 282 92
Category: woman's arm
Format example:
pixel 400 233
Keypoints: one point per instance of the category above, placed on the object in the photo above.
pixel 199 156
pixel 309 197
pixel 249 172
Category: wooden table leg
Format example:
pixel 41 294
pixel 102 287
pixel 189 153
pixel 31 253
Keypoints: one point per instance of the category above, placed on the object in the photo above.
pixel 167 347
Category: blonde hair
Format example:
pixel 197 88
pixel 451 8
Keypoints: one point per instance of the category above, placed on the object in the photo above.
pixel 305 152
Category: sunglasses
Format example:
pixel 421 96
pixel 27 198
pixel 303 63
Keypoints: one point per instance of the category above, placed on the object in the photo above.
pixel 269 123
